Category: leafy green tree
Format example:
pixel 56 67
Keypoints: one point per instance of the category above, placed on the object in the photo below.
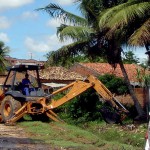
pixel 83 108
pixel 71 60
pixel 3 52
pixel 114 84
pixel 65 62
pixel 130 58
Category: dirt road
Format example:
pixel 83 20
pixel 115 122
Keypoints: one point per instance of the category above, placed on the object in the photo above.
pixel 15 138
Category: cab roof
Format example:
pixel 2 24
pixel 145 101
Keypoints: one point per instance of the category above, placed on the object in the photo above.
pixel 24 67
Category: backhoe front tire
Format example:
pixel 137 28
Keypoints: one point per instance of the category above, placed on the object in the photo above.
pixel 8 108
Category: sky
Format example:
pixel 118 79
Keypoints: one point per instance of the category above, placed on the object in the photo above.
pixel 32 34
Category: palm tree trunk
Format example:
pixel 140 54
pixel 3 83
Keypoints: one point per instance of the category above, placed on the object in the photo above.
pixel 132 94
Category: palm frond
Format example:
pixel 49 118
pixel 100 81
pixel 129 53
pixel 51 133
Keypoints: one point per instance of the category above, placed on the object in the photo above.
pixel 128 14
pixel 90 9
pixel 65 52
pixel 76 33
pixel 123 13
pixel 141 36
pixel 71 49
pixel 56 11
pixel 108 14
pixel 3 52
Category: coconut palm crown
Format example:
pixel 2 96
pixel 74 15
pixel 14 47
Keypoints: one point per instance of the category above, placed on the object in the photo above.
pixel 130 20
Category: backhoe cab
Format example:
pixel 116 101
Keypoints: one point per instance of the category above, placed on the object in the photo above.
pixel 14 103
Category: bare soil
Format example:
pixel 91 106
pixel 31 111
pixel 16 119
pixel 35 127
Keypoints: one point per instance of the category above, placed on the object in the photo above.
pixel 15 138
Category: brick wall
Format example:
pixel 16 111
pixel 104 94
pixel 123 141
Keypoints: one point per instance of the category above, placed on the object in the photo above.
pixel 127 100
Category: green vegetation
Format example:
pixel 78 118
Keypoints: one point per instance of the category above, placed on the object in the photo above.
pixel 120 18
pixel 3 52
pixel 114 84
pixel 87 136
pixel 130 58
pixel 85 107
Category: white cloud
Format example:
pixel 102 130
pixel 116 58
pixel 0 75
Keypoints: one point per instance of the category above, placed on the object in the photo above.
pixel 4 37
pixel 64 2
pixel 48 43
pixel 57 22
pixel 35 46
pixel 5 23
pixel 29 14
pixel 54 42
pixel 6 4
pixel 53 23
pixel 140 53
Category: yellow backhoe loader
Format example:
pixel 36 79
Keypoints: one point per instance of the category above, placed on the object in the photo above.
pixel 14 104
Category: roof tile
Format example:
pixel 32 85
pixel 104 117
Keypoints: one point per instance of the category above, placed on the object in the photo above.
pixel 105 68
pixel 59 73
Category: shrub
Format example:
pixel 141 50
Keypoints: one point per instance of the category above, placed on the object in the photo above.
pixel 85 107
pixel 114 84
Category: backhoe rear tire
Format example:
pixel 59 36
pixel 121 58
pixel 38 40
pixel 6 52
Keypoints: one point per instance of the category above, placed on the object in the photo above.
pixel 8 108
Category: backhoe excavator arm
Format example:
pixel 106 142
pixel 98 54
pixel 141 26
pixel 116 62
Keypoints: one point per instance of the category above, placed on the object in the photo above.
pixel 78 87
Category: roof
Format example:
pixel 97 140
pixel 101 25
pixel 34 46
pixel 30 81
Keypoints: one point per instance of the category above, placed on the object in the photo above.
pixel 50 73
pixel 23 67
pixel 59 73
pixel 14 61
pixel 105 68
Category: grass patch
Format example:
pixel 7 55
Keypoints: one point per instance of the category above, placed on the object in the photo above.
pixel 89 136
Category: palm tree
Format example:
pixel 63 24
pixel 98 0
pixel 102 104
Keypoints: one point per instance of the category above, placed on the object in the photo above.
pixel 84 31
pixel 87 37
pixel 130 23
pixel 3 52
pixel 130 20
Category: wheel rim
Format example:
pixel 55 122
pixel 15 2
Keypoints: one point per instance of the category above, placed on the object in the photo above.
pixel 7 110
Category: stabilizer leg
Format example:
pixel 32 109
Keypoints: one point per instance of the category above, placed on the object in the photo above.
pixel 53 116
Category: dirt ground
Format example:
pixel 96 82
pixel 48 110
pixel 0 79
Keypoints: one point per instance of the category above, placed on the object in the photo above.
pixel 15 138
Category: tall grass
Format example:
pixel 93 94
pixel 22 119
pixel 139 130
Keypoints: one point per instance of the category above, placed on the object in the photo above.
pixel 88 136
